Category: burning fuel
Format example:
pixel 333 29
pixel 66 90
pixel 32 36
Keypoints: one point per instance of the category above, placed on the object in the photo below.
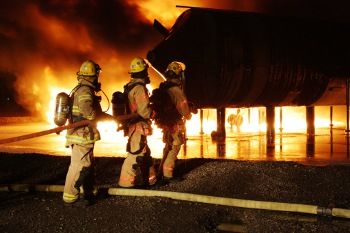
pixel 44 45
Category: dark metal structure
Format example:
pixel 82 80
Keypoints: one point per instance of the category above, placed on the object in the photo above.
pixel 240 59
pixel 237 59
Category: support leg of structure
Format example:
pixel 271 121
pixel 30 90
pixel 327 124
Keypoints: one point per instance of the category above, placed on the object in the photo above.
pixel 331 118
pixel 220 133
pixel 221 149
pixel 347 130
pixel 347 106
pixel 281 119
pixel 281 127
pixel 201 121
pixel 270 127
pixel 310 128
pixel 331 129
pixel 249 116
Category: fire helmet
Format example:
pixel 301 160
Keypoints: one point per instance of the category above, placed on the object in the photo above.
pixel 89 68
pixel 137 65
pixel 176 67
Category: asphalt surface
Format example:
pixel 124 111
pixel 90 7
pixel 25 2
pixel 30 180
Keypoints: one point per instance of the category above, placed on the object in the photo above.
pixel 326 186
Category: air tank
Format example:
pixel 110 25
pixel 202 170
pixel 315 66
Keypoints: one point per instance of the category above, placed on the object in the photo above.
pixel 61 109
pixel 238 59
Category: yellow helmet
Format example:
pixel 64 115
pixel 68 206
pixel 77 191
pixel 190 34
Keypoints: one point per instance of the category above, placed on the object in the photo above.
pixel 137 65
pixel 177 67
pixel 89 68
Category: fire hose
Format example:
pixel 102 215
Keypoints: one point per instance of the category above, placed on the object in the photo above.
pixel 234 202
pixel 224 201
pixel 60 128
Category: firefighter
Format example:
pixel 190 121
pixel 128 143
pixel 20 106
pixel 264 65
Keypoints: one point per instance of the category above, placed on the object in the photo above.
pixel 235 120
pixel 85 106
pixel 137 169
pixel 174 134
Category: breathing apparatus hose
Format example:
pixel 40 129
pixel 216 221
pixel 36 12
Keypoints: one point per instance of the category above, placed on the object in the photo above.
pixel 109 104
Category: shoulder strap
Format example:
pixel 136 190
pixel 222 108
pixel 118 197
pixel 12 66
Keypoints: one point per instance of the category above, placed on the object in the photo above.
pixel 76 88
pixel 167 85
pixel 128 87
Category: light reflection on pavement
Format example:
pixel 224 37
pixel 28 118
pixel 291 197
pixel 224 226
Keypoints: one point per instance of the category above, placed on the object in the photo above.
pixel 328 148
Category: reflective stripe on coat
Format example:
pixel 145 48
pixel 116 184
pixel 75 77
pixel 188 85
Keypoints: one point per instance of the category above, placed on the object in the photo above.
pixel 85 106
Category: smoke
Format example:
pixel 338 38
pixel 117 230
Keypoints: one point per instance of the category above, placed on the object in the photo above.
pixel 43 44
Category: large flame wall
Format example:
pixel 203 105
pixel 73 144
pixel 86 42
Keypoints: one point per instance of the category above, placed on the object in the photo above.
pixel 43 43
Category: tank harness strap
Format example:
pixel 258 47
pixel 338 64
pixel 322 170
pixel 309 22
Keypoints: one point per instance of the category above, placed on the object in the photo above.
pixel 74 119
pixel 143 144
pixel 89 151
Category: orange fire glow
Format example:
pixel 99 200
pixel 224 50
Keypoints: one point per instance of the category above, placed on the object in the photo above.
pixel 40 80
pixel 59 34
pixel 40 74
pixel 253 122
pixel 166 11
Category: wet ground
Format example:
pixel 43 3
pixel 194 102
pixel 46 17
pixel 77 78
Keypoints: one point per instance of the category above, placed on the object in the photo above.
pixel 271 181
pixel 295 171
pixel 328 146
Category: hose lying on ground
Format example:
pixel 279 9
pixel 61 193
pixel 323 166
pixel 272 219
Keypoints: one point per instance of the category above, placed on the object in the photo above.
pixel 265 205
pixel 242 203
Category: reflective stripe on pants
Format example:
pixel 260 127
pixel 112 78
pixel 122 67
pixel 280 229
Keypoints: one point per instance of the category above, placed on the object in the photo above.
pixel 81 158
pixel 169 163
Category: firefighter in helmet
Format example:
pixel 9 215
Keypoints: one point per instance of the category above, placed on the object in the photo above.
pixel 138 169
pixel 174 134
pixel 85 106
pixel 235 120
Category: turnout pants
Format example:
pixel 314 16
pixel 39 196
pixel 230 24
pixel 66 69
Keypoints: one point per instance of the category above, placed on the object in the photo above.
pixel 80 173
pixel 137 169
pixel 173 142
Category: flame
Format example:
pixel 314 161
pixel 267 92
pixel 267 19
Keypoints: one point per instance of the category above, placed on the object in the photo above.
pixel 167 11
pixel 49 43
pixel 59 33
pixel 43 79
pixel 108 131
pixel 293 120
pixel 209 123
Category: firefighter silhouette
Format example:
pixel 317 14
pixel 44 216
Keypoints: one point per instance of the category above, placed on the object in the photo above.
pixel 235 120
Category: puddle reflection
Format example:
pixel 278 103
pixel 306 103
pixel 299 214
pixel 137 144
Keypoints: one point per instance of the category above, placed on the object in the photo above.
pixel 324 145
pixel 327 145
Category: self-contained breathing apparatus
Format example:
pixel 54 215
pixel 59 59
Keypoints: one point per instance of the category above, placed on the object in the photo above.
pixel 165 112
pixel 120 106
pixel 62 109
pixel 64 105
pixel 89 71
